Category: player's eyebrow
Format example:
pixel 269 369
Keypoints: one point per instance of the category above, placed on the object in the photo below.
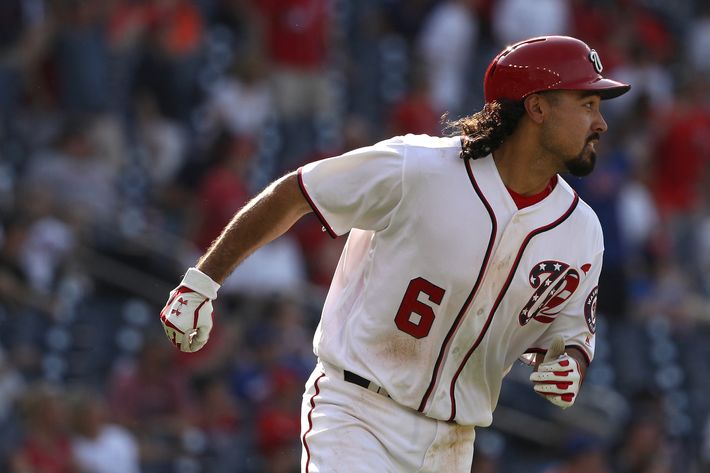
pixel 589 93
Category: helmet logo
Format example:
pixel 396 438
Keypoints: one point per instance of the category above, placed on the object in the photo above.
pixel 596 61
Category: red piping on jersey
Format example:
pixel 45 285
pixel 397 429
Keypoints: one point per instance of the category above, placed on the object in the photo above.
pixel 322 219
pixel 459 318
pixel 502 292
pixel 310 421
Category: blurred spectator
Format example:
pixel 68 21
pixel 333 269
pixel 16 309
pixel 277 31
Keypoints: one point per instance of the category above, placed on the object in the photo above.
pixel 644 447
pixel 278 423
pixel 151 397
pixel 672 294
pixel 705 447
pixel 127 23
pixel 590 23
pixel 650 77
pixel 98 445
pixel 221 422
pixel 127 26
pixel 406 17
pixel 703 237
pixel 80 183
pixel 484 463
pixel 321 253
pixel 488 452
pixel 12 386
pixel 220 416
pixel 699 39
pixel 447 43
pixel 14 280
pixel 249 379
pixel 636 23
pixel 515 20
pixel 81 56
pixel 24 309
pixel 583 454
pixel 416 113
pixel 225 187
pixel 47 253
pixel 601 191
pixel 296 35
pixel 23 39
pixel 47 444
pixel 276 268
pixel 218 357
pixel 683 151
pixel 163 142
pixel 637 215
pixel 240 18
pixel 241 102
pixel 169 65
pixel 293 335
pixel 681 160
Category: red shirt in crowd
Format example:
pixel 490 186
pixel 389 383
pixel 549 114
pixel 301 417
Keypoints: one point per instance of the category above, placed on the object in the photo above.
pixel 296 31
pixel 221 194
pixel 682 155
pixel 48 457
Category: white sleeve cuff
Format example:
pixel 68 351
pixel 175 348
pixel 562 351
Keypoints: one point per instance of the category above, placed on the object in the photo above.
pixel 199 282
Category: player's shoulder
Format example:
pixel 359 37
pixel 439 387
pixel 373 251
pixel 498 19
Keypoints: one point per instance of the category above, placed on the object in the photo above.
pixel 433 160
pixel 423 142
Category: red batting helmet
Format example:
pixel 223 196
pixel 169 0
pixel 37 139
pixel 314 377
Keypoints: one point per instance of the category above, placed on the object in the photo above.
pixel 547 63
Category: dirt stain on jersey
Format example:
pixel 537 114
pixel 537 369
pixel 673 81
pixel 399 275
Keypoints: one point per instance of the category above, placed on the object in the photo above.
pixel 453 452
pixel 400 348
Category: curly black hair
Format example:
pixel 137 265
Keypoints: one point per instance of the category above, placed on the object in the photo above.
pixel 484 131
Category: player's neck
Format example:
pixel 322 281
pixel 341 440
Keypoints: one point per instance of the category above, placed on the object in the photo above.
pixel 522 166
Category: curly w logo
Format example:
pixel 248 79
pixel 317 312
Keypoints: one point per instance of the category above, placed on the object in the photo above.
pixel 554 283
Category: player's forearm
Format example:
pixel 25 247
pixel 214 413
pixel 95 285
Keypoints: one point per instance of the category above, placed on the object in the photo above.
pixel 263 219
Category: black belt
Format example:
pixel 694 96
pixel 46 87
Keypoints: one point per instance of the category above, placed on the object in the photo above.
pixel 351 377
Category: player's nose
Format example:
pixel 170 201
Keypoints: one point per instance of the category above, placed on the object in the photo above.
pixel 600 125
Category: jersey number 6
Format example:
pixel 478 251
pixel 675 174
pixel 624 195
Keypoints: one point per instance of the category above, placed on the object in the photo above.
pixel 414 316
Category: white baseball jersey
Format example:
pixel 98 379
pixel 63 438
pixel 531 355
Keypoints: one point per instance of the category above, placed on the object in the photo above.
pixel 443 282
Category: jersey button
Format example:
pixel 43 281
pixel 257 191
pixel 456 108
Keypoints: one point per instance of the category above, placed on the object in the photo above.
pixel 479 311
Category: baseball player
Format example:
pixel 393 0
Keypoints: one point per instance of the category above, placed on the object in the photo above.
pixel 464 254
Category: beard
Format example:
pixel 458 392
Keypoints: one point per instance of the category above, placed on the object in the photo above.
pixel 579 165
pixel 583 164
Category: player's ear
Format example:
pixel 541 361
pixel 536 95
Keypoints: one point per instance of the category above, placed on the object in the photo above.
pixel 535 107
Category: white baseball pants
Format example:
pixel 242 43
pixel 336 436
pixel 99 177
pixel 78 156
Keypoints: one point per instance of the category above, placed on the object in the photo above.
pixel 346 428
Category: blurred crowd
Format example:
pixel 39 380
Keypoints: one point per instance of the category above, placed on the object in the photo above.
pixel 132 130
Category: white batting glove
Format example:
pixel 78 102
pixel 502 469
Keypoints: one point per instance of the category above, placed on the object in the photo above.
pixel 187 316
pixel 558 376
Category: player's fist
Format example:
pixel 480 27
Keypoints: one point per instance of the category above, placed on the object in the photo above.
pixel 558 376
pixel 187 316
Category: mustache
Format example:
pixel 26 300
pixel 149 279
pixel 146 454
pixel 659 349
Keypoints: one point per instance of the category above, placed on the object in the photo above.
pixel 593 136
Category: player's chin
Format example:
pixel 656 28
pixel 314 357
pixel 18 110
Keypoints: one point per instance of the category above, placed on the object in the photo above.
pixel 583 164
